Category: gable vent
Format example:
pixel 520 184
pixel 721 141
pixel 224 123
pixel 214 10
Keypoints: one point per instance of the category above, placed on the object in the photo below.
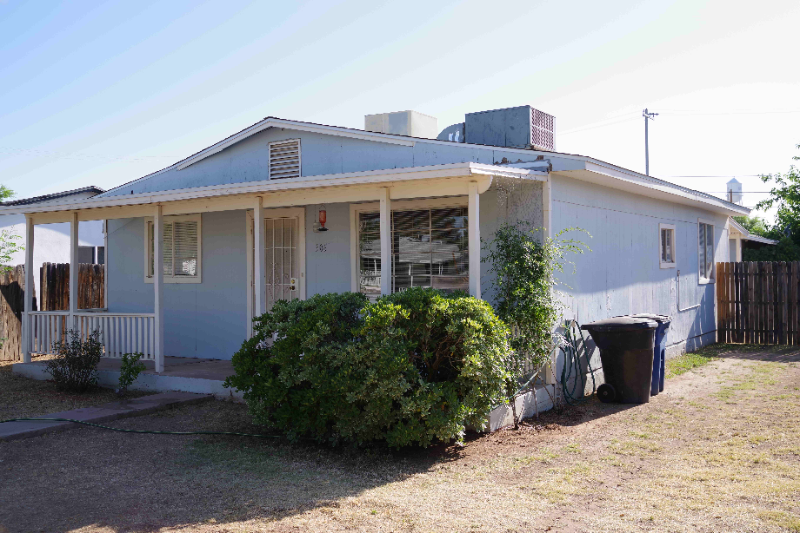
pixel 284 159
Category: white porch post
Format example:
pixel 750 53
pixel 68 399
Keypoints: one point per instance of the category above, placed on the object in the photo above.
pixel 73 269
pixel 259 261
pixel 474 241
pixel 386 242
pixel 27 332
pixel 158 286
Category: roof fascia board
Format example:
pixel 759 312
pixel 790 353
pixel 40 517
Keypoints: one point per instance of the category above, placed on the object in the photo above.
pixel 453 170
pixel 653 183
pixel 759 238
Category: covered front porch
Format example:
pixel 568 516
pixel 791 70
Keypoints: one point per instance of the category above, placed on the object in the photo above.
pixel 202 302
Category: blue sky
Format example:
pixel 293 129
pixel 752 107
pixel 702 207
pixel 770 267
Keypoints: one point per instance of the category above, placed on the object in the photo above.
pixel 99 93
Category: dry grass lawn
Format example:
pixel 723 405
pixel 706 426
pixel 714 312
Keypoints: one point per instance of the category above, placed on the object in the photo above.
pixel 718 451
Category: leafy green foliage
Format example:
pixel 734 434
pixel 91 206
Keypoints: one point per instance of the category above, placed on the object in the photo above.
pixel 525 289
pixel 412 368
pixel 785 195
pixel 75 367
pixel 130 368
pixel 757 226
pixel 785 250
pixel 9 243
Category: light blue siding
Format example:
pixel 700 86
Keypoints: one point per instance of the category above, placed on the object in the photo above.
pixel 248 160
pixel 621 275
pixel 208 319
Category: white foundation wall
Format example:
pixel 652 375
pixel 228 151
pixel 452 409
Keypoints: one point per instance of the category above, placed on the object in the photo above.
pixel 622 274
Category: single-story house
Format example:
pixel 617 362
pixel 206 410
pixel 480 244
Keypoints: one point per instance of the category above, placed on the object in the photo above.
pixel 288 209
pixel 740 238
pixel 53 239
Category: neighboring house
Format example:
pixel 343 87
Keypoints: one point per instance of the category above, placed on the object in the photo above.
pixel 52 240
pixel 741 238
pixel 340 209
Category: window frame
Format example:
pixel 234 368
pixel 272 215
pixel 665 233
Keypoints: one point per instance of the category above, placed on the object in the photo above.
pixel 396 205
pixel 661 262
pixel 702 279
pixel 148 249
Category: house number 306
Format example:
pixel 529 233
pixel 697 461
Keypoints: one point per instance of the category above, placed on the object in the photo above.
pixel 322 247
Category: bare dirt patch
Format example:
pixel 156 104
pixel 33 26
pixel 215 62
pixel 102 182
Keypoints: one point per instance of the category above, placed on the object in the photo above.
pixel 23 397
pixel 718 451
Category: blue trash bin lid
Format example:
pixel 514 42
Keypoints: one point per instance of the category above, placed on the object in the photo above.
pixel 661 319
pixel 621 323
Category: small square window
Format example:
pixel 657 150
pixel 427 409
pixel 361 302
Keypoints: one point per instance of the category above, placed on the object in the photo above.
pixel 666 245
pixel 182 249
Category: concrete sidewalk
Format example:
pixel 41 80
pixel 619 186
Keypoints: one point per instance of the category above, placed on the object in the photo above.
pixel 103 413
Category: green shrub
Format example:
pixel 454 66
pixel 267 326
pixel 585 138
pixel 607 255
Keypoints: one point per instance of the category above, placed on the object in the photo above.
pixel 129 370
pixel 413 368
pixel 75 367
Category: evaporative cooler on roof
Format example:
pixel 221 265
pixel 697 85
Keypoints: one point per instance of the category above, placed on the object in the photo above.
pixel 284 159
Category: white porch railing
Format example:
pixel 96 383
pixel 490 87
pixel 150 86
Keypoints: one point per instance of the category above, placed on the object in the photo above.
pixel 120 333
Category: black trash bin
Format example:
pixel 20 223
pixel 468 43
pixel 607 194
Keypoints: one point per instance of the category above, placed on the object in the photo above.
pixel 626 351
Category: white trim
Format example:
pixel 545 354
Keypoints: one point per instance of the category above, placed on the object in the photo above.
pixel 474 229
pixel 198 278
pixel 701 279
pixel 386 242
pixel 158 286
pixel 397 205
pixel 661 262
pixel 249 227
pixel 27 333
pixel 74 268
pixel 372 177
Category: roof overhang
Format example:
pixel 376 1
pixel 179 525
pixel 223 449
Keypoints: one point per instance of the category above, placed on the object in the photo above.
pixel 614 177
pixel 419 182
pixel 746 235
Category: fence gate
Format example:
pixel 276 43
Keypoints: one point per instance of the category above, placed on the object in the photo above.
pixel 757 302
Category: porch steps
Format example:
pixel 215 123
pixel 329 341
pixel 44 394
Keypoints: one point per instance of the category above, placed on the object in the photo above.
pixel 100 414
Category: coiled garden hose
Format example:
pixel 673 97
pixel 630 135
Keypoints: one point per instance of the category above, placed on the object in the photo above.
pixel 144 431
pixel 572 363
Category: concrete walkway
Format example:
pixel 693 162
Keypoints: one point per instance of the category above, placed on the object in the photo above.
pixel 103 413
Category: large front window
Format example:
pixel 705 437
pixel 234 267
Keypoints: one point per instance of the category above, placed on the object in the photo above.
pixel 429 249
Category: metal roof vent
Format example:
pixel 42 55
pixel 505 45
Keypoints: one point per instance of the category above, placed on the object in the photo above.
pixel 284 159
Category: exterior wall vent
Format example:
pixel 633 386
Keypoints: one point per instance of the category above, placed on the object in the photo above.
pixel 284 159
pixel 543 130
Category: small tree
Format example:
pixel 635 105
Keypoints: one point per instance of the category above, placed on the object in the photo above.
pixel 526 295
pixel 9 244
pixel 785 195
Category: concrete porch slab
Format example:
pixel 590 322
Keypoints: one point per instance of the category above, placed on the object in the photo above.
pixel 186 374
pixel 103 413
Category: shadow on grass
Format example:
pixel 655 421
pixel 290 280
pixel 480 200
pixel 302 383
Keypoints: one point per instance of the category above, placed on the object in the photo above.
pixel 753 352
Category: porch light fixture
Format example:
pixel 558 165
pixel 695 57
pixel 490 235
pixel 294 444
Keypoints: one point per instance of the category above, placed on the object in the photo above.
pixel 322 218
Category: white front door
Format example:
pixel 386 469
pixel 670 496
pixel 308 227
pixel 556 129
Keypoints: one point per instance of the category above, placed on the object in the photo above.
pixel 284 258
pixel 281 236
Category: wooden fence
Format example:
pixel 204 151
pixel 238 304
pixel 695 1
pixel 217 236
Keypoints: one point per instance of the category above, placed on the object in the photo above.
pixel 757 302
pixel 54 282
pixel 12 287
